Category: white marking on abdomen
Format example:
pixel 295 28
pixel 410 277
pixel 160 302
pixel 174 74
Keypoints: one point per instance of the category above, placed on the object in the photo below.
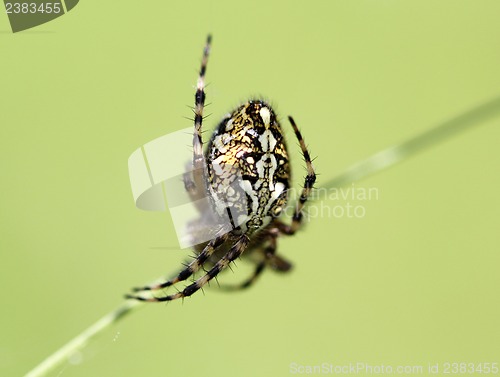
pixel 247 187
pixel 267 141
pixel 265 114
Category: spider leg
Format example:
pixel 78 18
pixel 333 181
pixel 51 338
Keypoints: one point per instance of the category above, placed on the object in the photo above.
pixel 194 266
pixel 195 192
pixel 268 252
pixel 233 253
pixel 194 176
pixel 195 172
pixel 259 268
pixel 310 178
pixel 199 104
pixel 279 264
pixel 270 259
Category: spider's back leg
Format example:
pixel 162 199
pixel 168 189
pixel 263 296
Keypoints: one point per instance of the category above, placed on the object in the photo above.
pixel 307 188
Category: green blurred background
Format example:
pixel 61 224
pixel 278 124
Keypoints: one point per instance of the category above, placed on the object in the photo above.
pixel 415 281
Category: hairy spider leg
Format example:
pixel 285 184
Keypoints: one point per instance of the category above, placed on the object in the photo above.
pixel 269 259
pixel 195 183
pixel 193 267
pixel 233 253
pixel 309 180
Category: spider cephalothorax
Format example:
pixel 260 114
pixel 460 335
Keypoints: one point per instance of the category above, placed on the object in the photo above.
pixel 245 172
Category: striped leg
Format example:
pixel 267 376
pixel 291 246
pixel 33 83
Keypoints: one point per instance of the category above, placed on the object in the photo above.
pixel 192 268
pixel 306 190
pixel 233 253
pixel 270 259
pixel 194 181
pixel 268 252
pixel 249 282
pixel 199 103
pixel 195 193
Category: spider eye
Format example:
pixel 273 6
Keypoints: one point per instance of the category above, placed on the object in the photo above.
pixel 277 211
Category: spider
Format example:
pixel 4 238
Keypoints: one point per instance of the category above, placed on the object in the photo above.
pixel 245 172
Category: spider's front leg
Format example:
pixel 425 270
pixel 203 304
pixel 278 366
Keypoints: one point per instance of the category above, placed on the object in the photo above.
pixel 233 253
pixel 191 269
pixel 194 179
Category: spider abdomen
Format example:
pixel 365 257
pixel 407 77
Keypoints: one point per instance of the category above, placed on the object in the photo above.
pixel 247 166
